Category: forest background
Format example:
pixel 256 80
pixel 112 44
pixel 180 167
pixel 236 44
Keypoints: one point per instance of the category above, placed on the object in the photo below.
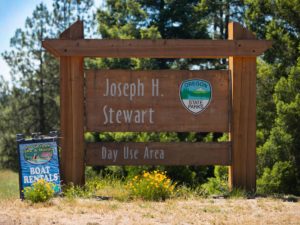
pixel 30 103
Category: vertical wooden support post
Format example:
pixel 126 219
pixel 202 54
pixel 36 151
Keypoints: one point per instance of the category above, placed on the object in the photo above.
pixel 242 173
pixel 72 111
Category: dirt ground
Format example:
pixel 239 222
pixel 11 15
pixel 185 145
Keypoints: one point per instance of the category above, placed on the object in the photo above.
pixel 199 211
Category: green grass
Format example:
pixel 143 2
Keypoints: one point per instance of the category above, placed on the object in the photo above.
pixel 9 184
pixel 106 187
pixel 102 187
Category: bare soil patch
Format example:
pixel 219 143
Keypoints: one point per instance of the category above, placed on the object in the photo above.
pixel 198 211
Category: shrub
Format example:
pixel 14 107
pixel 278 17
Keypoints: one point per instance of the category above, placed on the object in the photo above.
pixel 89 190
pixel 217 185
pixel 40 191
pixel 281 179
pixel 151 186
pixel 98 187
pixel 70 191
pixel 239 193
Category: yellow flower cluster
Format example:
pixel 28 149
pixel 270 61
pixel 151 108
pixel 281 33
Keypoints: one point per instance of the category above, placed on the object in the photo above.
pixel 40 191
pixel 151 185
pixel 42 184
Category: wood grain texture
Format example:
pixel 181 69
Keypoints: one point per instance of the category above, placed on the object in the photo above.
pixel 169 114
pixel 242 173
pixel 156 48
pixel 155 153
pixel 71 114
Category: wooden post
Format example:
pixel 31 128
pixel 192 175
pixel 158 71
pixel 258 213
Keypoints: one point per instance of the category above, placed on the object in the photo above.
pixel 242 173
pixel 72 111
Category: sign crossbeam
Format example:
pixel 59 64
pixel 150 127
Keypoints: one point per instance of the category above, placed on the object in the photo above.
pixel 161 48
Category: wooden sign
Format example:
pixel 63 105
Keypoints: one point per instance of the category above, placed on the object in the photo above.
pixel 170 100
pixel 180 101
pixel 155 153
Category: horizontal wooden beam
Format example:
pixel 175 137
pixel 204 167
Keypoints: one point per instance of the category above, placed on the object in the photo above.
pixel 156 153
pixel 161 48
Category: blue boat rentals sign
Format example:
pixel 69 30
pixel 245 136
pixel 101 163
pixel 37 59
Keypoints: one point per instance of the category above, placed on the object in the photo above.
pixel 38 159
pixel 195 95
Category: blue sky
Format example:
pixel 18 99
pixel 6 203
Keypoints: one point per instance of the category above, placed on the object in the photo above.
pixel 12 16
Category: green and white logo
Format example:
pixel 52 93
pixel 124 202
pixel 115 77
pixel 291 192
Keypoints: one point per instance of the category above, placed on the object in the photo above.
pixel 195 95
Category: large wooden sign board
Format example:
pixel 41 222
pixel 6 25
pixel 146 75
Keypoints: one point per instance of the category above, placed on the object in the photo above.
pixel 122 100
pixel 168 100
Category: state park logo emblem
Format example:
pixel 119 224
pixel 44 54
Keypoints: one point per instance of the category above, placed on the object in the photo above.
pixel 195 95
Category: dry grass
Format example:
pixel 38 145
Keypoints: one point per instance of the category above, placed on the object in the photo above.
pixel 199 211
pixel 188 209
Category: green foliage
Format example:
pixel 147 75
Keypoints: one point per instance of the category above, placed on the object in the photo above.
pixel 237 193
pixel 98 186
pixel 35 86
pixel 71 192
pixel 89 137
pixel 150 20
pixel 221 172
pixel 283 143
pixel 277 21
pixel 40 191
pixel 278 106
pixel 92 186
pixel 188 175
pixel 32 103
pixel 281 179
pixel 219 13
pixel 217 185
pixel 186 192
pixel 266 107
pixel 151 186
pixel 138 137
pixel 67 12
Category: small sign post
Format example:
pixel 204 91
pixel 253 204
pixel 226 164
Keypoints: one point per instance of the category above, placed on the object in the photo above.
pixel 38 159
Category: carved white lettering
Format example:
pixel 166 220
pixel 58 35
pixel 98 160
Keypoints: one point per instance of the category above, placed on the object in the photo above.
pixel 109 154
pixel 155 87
pixel 127 116
pixel 130 153
pixel 130 90
pixel 154 153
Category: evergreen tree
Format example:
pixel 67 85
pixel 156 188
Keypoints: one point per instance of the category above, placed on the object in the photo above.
pixel 220 13
pixel 34 98
pixel 35 73
pixel 272 20
pixel 142 19
pixel 5 125
pixel 66 12
pixel 278 76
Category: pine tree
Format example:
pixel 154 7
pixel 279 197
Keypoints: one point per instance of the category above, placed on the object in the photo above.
pixel 33 104
pixel 35 73
pixel 278 91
